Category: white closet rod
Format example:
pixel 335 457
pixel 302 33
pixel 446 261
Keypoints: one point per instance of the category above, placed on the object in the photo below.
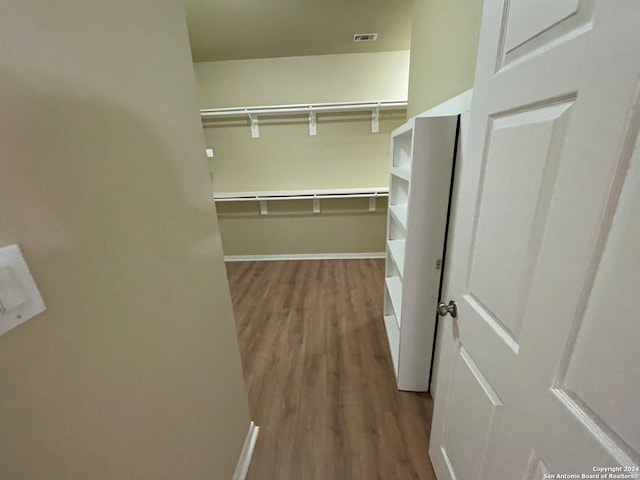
pixel 301 108
pixel 311 110
pixel 287 194
pixel 316 196
pixel 299 197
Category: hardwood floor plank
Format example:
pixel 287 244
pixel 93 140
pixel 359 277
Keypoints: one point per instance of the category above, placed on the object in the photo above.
pixel 319 375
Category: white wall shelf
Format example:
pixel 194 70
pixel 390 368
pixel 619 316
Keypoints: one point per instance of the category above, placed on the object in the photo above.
pixel 315 195
pixel 310 110
pixel 422 155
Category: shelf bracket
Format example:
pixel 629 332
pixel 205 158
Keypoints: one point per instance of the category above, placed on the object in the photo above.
pixel 263 207
pixel 375 119
pixel 372 202
pixel 255 130
pixel 316 204
pixel 312 122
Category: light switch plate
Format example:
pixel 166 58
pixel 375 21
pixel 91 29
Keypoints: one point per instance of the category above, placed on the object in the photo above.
pixel 20 299
pixel 11 294
pixel 209 152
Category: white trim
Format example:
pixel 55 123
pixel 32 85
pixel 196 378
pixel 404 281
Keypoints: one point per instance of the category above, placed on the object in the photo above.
pixel 303 256
pixel 247 452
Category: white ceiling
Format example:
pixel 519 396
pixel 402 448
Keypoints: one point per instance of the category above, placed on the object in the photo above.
pixel 241 29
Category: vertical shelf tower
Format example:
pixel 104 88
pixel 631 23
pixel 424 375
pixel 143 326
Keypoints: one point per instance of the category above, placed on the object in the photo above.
pixel 422 155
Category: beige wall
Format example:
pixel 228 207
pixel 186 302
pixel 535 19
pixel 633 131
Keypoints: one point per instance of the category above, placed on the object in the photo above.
pixel 444 40
pixel 291 228
pixel 312 79
pixel 133 371
pixel 344 154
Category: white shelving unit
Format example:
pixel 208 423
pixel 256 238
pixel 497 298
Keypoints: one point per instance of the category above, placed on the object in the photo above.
pixel 422 154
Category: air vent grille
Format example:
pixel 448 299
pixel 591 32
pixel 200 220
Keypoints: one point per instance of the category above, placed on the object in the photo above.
pixel 365 37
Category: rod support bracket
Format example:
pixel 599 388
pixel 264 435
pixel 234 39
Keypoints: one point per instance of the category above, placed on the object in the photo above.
pixel 312 122
pixel 316 204
pixel 255 130
pixel 263 207
pixel 372 202
pixel 375 119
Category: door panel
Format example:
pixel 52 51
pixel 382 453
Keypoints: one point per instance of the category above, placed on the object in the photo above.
pixel 533 27
pixel 540 369
pixel 604 331
pixel 507 437
pixel 523 150
pixel 472 402
pixel 527 20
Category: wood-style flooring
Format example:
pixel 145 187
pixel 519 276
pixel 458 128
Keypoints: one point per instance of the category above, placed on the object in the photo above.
pixel 319 375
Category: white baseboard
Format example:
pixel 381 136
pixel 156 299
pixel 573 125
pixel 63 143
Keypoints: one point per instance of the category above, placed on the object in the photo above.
pixel 303 256
pixel 247 452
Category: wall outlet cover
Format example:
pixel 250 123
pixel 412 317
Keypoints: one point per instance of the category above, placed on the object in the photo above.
pixel 20 299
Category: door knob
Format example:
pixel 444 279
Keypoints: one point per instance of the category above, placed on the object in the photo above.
pixel 451 308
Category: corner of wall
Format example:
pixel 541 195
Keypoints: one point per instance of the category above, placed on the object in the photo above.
pixel 444 44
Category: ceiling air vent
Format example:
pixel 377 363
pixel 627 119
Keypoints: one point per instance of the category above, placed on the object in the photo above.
pixel 365 37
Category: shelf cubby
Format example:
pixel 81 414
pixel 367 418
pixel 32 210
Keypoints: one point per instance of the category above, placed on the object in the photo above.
pixel 396 247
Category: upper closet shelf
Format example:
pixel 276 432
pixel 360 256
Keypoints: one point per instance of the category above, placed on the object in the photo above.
pixel 310 109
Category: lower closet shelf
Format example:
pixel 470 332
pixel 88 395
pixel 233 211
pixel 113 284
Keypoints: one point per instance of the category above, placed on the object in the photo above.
pixel 394 287
pixel 393 335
